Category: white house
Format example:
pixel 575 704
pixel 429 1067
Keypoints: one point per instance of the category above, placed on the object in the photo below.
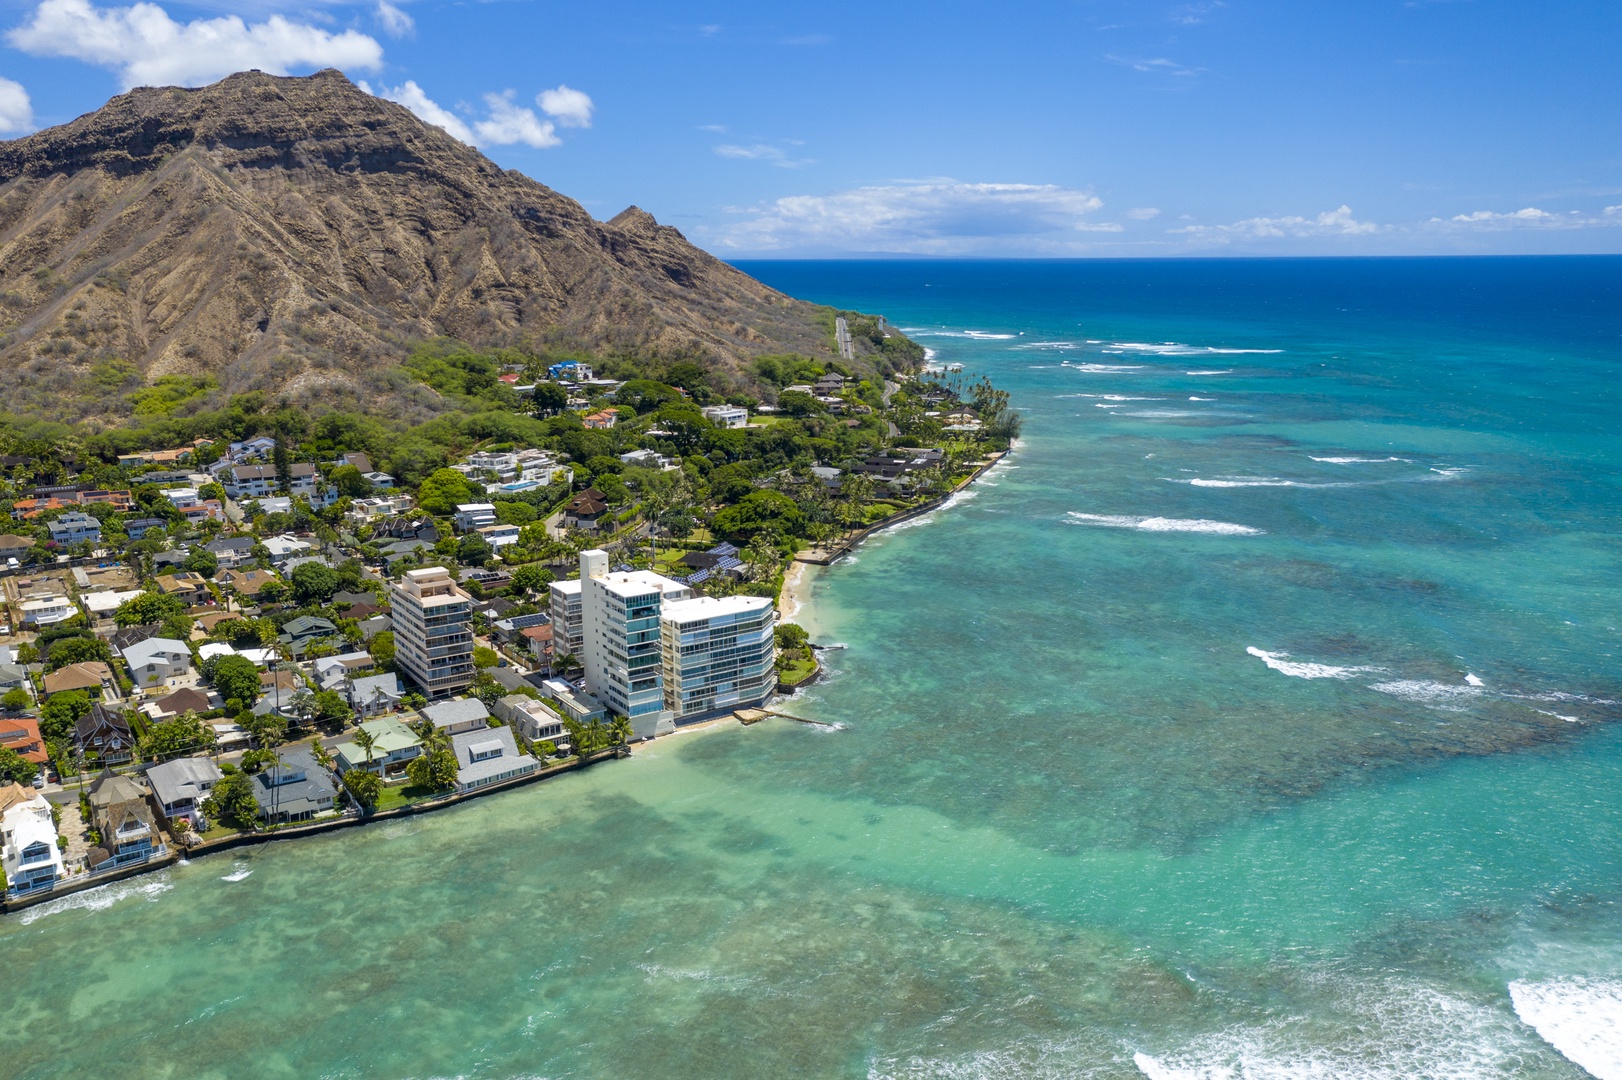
pixel 283 548
pixel 500 536
pixel 32 860
pixel 74 527
pixel 47 610
pixel 458 715
pixel 181 785
pixel 157 660
pixel 470 516
pixel 488 757
pixel 727 416
pixel 533 720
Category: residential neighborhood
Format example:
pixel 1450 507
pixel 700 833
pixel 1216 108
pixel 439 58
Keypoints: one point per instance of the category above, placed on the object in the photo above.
pixel 227 638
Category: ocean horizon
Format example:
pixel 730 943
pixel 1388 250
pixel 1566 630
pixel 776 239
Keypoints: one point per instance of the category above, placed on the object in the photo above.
pixel 1253 718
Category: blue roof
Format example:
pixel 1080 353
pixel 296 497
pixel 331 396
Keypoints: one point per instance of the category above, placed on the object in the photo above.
pixel 724 548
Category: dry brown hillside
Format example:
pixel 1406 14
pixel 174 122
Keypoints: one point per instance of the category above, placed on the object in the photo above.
pixel 297 234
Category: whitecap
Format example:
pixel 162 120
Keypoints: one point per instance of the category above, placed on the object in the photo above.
pixel 1448 472
pixel 100 898
pixel 1280 662
pixel 1247 481
pixel 1359 460
pixel 1162 524
pixel 1192 398
pixel 1473 680
pixel 1108 397
pixel 1559 716
pixel 1105 369
pixel 1436 695
pixel 986 335
pixel 1161 414
pixel 239 872
pixel 929 354
pixel 1581 1018
pixel 1173 348
pixel 1227 371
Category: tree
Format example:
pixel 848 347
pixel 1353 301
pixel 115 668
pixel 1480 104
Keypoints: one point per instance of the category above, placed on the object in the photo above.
pixel 486 689
pixel 268 729
pixel 77 650
pixel 350 481
pixel 314 583
pixel 549 399
pixel 621 730
pixel 331 708
pixel 15 700
pixel 149 607
pixel 255 760
pixel 62 712
pixel 434 769
pixel 236 677
pixel 184 735
pixel 382 649
pixel 485 657
pixel 760 511
pixel 413 700
pixel 16 769
pixel 202 561
pixel 442 490
pixel 364 787
pixel 473 549
pixel 528 578
pixel 791 637
pixel 366 741
pixel 232 800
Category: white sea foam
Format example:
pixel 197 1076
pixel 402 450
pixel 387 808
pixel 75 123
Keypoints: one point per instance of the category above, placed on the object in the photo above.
pixel 987 335
pixel 1448 472
pixel 1162 524
pixel 1581 1018
pixel 929 354
pixel 1296 669
pixel 1103 369
pixel 1473 680
pixel 1384 1032
pixel 101 898
pixel 1161 414
pixel 1559 716
pixel 1193 398
pixel 1359 460
pixel 1173 348
pixel 1047 345
pixel 1110 397
pixel 239 872
pixel 1225 371
pixel 1436 695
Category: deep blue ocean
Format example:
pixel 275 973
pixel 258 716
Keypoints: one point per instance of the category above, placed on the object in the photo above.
pixel 1256 718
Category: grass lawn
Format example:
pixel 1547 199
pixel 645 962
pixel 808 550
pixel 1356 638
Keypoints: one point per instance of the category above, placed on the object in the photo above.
pixel 797 672
pixel 396 797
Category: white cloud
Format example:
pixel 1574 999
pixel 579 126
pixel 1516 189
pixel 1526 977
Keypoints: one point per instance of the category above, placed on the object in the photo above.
pixel 566 105
pixel 1337 222
pixel 773 155
pixel 719 129
pixel 1158 65
pixel 510 123
pixel 1529 217
pixel 16 111
pixel 923 217
pixel 1143 213
pixel 396 23
pixel 426 109
pixel 146 47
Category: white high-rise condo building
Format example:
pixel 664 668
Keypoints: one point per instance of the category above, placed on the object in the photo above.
pixel 718 654
pixel 433 632
pixel 568 636
pixel 620 635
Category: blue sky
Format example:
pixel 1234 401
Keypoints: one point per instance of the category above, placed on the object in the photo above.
pixel 1061 128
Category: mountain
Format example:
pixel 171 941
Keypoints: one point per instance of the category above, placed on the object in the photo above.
pixel 300 235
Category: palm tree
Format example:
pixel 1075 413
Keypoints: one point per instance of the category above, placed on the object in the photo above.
pixel 596 735
pixel 621 730
pixel 366 741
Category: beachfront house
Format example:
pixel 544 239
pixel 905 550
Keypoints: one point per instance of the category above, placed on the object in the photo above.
pixel 296 788
pixel 30 855
pixel 180 786
pixel 120 813
pixel 489 757
pixel 393 746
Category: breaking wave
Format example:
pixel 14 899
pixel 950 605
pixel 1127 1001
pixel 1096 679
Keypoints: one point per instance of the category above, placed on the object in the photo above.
pixel 1296 669
pixel 99 899
pixel 1581 1018
pixel 1162 524
pixel 1174 348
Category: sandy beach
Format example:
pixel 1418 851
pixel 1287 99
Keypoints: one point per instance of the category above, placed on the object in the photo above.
pixel 796 593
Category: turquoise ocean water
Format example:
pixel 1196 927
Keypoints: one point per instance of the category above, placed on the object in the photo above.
pixel 1253 720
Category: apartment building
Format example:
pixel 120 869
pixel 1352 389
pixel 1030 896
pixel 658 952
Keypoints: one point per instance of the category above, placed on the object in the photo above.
pixel 433 631
pixel 568 632
pixel 718 654
pixel 620 628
